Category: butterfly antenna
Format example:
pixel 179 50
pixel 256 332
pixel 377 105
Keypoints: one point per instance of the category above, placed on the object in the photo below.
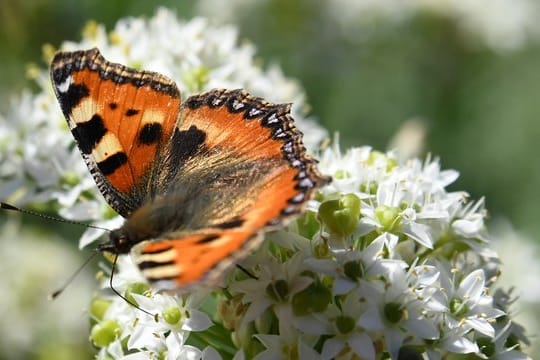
pixel 10 207
pixel 56 293
pixel 122 296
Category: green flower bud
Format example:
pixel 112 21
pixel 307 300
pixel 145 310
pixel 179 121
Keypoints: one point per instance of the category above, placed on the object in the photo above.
pixel 369 188
pixel 394 313
pixel 387 216
pixel 376 156
pixel 98 308
pixel 341 216
pixel 172 315
pixel 314 298
pixel 139 288
pixel 308 224
pixel 70 178
pixel 107 212
pixel 196 78
pixel 345 324
pixel 105 332
pixel 353 270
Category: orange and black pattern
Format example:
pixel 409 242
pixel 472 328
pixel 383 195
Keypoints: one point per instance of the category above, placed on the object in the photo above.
pixel 198 182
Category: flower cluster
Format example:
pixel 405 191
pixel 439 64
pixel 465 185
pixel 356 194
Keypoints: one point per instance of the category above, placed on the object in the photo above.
pixel 385 262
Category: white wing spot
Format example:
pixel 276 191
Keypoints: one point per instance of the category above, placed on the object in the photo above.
pixel 64 86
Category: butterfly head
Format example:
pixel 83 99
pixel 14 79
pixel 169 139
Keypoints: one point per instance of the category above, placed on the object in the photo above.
pixel 119 242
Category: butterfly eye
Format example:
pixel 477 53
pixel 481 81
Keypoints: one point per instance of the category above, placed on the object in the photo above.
pixel 119 243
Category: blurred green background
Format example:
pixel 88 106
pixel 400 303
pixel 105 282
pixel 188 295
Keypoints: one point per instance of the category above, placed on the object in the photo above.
pixel 365 73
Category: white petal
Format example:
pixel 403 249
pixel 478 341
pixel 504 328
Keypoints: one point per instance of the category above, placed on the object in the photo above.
pixel 209 353
pixel 324 266
pixel 424 328
pixel 393 339
pixel 256 309
pixel 419 233
pixel 472 287
pixel 197 321
pixel 332 347
pixel 371 320
pixel 375 248
pixel 362 345
pixel 343 286
pixel 312 325
pixel 142 355
pixel 460 345
pixel 482 326
pixel 468 228
pixel 306 352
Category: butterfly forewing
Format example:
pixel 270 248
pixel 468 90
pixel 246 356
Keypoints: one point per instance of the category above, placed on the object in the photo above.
pixel 120 119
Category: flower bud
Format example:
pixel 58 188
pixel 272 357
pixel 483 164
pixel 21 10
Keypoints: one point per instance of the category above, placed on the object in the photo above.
pixel 105 332
pixel 98 308
pixel 139 288
pixel 172 315
pixel 314 298
pixel 387 216
pixel 341 215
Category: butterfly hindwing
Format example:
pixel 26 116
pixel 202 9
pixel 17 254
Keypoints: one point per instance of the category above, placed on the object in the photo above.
pixel 120 118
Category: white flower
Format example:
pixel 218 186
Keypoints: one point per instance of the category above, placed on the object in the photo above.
pixel 172 313
pixel 349 268
pixel 347 337
pixel 468 307
pixel 393 307
pixel 285 347
pixel 274 285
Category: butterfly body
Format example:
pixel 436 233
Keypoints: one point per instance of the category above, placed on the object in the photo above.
pixel 199 181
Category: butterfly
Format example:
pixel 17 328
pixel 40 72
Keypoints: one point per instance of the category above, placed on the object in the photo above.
pixel 198 181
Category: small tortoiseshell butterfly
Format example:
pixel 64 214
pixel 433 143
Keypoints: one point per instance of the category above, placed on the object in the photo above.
pixel 197 181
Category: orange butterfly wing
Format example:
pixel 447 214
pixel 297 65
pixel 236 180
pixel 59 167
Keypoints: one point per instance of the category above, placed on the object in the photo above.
pixel 120 118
